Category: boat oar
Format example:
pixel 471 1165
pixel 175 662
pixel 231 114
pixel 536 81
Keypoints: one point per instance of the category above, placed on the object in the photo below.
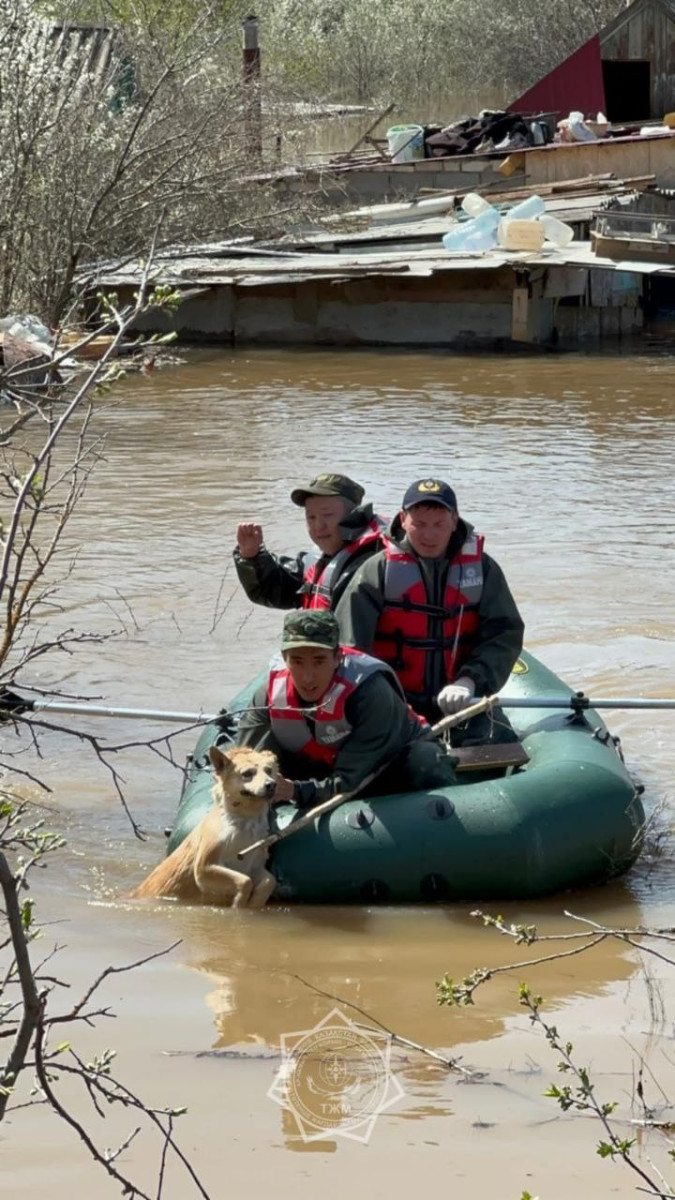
pixel 447 723
pixel 13 705
pixel 579 702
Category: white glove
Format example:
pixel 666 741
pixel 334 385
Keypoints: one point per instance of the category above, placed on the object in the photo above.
pixel 456 696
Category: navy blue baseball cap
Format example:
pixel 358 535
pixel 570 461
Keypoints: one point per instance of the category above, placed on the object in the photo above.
pixel 430 491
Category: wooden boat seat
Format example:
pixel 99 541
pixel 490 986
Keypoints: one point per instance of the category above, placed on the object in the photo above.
pixel 490 758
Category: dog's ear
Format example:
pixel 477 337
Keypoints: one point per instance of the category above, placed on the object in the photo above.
pixel 219 761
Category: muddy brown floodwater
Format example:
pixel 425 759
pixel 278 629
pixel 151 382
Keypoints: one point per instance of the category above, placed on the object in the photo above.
pixel 566 464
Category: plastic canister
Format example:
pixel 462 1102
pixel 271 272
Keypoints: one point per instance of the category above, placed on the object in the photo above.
pixel 527 210
pixel 521 235
pixel 556 231
pixel 474 205
pixel 406 143
pixel 478 234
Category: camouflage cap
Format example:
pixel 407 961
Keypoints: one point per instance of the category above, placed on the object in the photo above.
pixel 329 485
pixel 310 627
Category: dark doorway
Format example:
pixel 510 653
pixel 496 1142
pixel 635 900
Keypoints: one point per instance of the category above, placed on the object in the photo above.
pixel 627 90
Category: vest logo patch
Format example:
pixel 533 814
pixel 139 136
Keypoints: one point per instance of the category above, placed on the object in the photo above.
pixel 331 733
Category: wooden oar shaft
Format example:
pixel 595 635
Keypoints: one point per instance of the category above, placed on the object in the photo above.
pixel 458 718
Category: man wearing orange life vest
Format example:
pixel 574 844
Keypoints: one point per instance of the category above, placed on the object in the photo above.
pixel 343 529
pixel 435 607
pixel 332 715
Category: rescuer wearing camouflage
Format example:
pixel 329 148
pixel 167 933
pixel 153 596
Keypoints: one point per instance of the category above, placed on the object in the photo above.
pixel 438 609
pixel 343 529
pixel 333 715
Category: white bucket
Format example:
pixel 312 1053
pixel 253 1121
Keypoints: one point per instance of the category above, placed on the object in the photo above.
pixel 406 143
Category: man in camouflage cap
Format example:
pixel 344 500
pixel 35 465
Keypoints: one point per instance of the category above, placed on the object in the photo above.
pixel 344 531
pixel 332 715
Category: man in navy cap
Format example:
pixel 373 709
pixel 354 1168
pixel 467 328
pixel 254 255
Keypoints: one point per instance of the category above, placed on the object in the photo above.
pixel 344 531
pixel 333 715
pixel 438 609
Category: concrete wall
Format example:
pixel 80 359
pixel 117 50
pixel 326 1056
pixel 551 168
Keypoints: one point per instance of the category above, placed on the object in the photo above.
pixel 463 309
pixel 625 158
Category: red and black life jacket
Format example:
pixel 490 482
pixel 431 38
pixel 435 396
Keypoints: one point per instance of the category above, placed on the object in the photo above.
pixel 321 739
pixel 317 591
pixel 408 627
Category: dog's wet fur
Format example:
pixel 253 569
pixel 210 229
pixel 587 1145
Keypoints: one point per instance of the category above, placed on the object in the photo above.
pixel 205 869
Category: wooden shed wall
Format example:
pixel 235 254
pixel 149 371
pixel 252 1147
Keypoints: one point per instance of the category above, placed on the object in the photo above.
pixel 647 33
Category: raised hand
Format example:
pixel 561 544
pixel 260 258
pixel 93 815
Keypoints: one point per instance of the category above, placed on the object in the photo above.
pixel 249 539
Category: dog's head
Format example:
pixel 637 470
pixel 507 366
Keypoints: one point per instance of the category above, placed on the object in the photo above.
pixel 246 779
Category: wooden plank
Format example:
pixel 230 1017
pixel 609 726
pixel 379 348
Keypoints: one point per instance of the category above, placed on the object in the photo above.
pixel 565 281
pixel 490 758
pixel 634 249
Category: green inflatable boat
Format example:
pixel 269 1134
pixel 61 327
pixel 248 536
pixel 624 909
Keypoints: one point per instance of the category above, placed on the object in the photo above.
pixel 568 816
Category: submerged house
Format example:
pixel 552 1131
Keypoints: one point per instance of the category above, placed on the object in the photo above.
pixel 626 71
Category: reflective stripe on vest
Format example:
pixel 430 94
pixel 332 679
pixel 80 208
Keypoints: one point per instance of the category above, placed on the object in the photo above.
pixel 407 627
pixel 290 726
pixel 318 592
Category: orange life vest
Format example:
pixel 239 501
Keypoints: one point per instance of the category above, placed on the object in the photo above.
pixel 321 740
pixel 410 626
pixel 317 591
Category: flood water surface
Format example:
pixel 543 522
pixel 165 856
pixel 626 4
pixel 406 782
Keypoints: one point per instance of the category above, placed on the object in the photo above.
pixel 565 464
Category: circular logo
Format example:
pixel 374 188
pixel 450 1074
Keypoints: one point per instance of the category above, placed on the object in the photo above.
pixel 335 1078
pixel 520 667
pixel 339 1078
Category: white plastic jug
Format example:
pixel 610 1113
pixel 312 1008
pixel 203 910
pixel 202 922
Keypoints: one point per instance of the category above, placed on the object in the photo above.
pixel 474 205
pixel 472 236
pixel 406 143
pixel 527 210
pixel 556 231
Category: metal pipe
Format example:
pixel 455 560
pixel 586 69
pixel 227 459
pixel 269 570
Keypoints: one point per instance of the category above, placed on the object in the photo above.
pixel 251 87
pixel 573 703
pixel 582 702
pixel 141 714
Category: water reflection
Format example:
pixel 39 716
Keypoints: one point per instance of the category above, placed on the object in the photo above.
pixel 287 970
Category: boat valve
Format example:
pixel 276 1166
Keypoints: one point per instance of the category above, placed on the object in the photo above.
pixel 440 808
pixel 361 819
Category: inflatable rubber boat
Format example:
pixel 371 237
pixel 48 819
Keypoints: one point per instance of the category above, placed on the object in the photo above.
pixel 562 813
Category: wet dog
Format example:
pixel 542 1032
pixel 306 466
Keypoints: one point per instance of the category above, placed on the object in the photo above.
pixel 205 869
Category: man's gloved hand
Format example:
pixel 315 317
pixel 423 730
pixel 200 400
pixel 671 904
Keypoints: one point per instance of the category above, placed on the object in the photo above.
pixel 456 696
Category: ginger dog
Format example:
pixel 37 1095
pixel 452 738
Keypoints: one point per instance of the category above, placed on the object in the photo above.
pixel 204 869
